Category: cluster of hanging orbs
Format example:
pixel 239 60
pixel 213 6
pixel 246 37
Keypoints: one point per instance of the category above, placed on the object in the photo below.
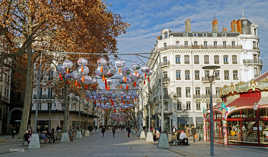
pixel 67 71
pixel 129 77
pixel 114 75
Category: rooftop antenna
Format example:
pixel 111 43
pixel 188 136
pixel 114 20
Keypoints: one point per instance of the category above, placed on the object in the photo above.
pixel 243 13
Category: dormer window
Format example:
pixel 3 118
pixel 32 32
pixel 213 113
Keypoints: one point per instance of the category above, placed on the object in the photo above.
pixel 166 35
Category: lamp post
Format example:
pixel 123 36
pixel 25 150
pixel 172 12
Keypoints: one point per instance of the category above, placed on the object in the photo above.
pixel 256 109
pixel 211 79
pixel 163 140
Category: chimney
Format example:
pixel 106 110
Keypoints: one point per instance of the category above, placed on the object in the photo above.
pixel 224 29
pixel 215 25
pixel 239 26
pixel 233 25
pixel 188 25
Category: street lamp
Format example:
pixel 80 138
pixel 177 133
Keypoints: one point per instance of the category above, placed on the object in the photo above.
pixel 211 78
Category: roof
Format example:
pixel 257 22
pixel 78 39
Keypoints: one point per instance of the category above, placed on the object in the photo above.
pixel 262 77
pixel 246 99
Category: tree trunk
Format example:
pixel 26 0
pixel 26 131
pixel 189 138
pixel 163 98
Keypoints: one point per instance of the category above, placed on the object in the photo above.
pixel 27 97
pixel 66 110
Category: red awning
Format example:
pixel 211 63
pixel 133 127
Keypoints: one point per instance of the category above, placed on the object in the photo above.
pixel 246 99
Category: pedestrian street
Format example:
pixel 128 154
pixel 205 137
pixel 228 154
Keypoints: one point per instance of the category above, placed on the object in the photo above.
pixel 98 146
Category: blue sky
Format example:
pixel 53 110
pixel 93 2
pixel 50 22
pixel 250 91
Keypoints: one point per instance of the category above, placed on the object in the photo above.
pixel 148 17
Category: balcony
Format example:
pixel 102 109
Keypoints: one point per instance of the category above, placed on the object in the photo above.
pixel 199 47
pixel 165 81
pixel 205 79
pixel 205 96
pixel 253 62
pixel 164 64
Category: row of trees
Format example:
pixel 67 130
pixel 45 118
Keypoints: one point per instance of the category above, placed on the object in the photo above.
pixel 28 27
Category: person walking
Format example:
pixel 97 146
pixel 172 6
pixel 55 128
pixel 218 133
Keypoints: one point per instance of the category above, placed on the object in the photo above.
pixel 113 130
pixel 193 130
pixel 103 131
pixel 128 131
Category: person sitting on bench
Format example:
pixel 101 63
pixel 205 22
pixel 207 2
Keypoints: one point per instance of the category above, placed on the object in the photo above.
pixel 183 138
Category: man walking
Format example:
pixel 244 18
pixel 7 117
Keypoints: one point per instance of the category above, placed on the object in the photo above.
pixel 113 130
pixel 103 131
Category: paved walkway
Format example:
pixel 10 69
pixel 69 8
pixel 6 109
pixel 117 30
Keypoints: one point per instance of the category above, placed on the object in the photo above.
pixel 203 150
pixel 97 146
pixel 121 146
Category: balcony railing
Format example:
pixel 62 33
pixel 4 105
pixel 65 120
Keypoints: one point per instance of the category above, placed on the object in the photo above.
pixel 199 47
pixel 205 96
pixel 165 80
pixel 205 79
pixel 252 62
pixel 164 64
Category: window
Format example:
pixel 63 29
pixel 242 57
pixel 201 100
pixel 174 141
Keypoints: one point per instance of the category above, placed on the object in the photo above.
pixel 178 92
pixel 166 106
pixel 188 92
pixel 217 74
pixel 186 59
pixel 187 75
pixel 166 35
pixel 254 45
pixel 165 60
pixel 196 75
pixel 50 92
pixel 196 59
pixel 206 59
pixel 255 58
pixel 178 75
pixel 206 74
pixel 218 91
pixel 197 91
pixel 185 43
pixel 225 59
pixel 256 74
pixel 6 92
pixel 234 59
pixel 188 105
pixel 198 106
pixel 215 43
pixel 195 43
pixel 165 44
pixel 207 91
pixel 207 104
pixel 235 75
pixel 1 76
pixel 216 59
pixel 165 75
pixel 233 43
pixel 177 43
pixel 50 77
pixel 226 74
pixel 165 92
pixel 178 105
pixel 224 43
pixel 205 44
pixel 178 59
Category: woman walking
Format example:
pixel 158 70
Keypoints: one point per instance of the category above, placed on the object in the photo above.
pixel 103 131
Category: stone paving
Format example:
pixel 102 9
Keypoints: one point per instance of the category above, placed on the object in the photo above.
pixel 96 146
pixel 203 150
pixel 121 146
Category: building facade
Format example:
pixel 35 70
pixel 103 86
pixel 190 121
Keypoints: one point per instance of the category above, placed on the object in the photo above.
pixel 179 58
pixel 5 88
pixel 50 102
